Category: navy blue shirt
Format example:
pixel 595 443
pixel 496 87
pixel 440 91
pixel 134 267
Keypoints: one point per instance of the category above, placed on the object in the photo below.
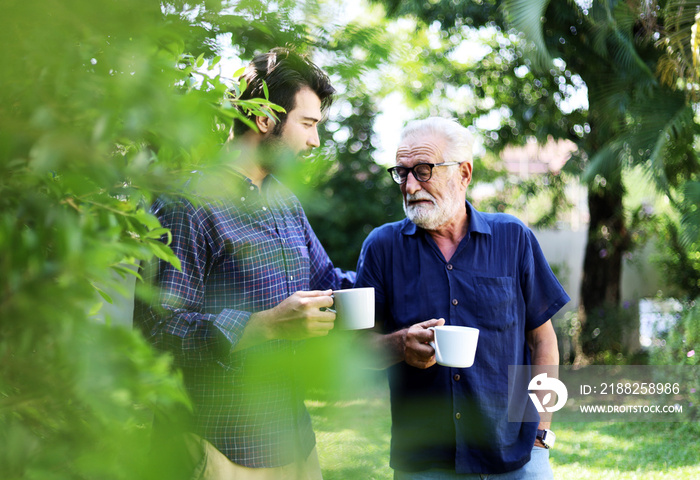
pixel 497 281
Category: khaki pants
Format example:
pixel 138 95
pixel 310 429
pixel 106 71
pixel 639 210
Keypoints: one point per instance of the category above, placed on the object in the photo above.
pixel 216 466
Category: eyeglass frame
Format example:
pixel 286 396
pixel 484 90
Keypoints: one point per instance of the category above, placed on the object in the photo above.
pixel 411 170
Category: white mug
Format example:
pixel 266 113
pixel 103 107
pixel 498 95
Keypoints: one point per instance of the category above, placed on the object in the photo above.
pixel 354 308
pixel 455 346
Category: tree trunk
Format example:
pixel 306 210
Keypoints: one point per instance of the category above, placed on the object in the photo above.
pixel 602 270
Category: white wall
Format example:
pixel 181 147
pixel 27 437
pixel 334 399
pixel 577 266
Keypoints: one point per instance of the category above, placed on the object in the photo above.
pixel 564 250
pixel 120 311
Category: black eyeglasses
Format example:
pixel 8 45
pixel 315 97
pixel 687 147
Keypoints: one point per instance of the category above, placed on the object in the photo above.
pixel 421 171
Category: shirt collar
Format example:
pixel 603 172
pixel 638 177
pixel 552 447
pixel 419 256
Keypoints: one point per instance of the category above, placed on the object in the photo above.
pixel 244 181
pixel 477 223
pixel 270 181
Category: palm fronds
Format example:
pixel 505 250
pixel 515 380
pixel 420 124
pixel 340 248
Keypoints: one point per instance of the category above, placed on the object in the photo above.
pixel 680 40
pixel 526 16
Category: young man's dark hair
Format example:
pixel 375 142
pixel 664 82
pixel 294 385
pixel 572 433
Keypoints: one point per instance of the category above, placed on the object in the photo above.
pixel 285 73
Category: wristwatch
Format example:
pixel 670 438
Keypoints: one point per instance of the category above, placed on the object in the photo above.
pixel 547 437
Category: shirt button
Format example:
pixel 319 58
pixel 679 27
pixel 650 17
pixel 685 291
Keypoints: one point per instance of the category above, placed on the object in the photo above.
pixel 455 301
pixel 456 377
pixel 264 209
pixel 252 187
pixel 291 277
pixel 458 415
pixel 449 266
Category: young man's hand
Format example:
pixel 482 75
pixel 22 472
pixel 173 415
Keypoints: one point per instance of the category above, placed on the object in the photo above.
pixel 297 317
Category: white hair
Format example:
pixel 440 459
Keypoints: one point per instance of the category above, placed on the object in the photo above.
pixel 459 139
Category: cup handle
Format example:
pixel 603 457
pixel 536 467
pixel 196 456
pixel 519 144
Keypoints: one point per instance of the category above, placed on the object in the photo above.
pixel 433 343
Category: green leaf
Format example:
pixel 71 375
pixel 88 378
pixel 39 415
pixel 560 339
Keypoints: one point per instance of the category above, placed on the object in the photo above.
pixel 147 219
pixel 124 270
pixel 95 309
pixel 103 294
pixel 164 253
pixel 157 233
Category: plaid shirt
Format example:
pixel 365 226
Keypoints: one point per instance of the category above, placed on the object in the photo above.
pixel 238 257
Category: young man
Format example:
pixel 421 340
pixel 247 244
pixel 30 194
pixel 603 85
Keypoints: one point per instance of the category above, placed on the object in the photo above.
pixel 447 263
pixel 254 285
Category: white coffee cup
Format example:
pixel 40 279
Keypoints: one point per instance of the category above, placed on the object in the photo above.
pixel 354 308
pixel 455 346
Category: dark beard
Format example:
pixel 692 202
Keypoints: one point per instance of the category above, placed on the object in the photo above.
pixel 275 153
pixel 274 140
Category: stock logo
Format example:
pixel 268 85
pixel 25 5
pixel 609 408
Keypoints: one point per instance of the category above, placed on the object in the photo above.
pixel 543 383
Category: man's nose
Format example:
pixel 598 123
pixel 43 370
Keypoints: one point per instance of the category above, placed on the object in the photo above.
pixel 411 185
pixel 313 140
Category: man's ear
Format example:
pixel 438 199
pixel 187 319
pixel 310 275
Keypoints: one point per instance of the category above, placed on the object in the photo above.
pixel 466 170
pixel 264 124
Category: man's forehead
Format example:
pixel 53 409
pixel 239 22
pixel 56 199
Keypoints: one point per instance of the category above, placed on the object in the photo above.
pixel 307 105
pixel 421 148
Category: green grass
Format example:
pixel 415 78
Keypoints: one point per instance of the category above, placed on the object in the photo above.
pixel 353 431
pixel 627 451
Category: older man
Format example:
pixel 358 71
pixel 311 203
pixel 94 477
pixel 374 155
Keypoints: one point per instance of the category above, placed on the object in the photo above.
pixel 449 263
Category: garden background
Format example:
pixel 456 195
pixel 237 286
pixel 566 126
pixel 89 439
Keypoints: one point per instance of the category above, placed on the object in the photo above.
pixel 104 105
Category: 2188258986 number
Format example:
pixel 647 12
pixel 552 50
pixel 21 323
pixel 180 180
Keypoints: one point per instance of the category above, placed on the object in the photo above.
pixel 639 388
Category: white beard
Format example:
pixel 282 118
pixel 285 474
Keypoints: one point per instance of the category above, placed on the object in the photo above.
pixel 432 216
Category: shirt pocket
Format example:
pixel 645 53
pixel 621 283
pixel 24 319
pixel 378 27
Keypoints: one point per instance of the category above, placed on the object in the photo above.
pixel 496 302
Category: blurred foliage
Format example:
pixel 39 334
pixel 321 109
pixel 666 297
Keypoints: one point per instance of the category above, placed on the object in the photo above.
pixel 608 333
pixel 449 14
pixel 479 74
pixel 636 120
pixel 679 263
pixel 680 344
pixel 622 50
pixel 101 109
pixel 545 194
pixel 678 66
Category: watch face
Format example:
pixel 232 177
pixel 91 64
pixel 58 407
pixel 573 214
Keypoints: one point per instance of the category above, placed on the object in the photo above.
pixel 547 437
